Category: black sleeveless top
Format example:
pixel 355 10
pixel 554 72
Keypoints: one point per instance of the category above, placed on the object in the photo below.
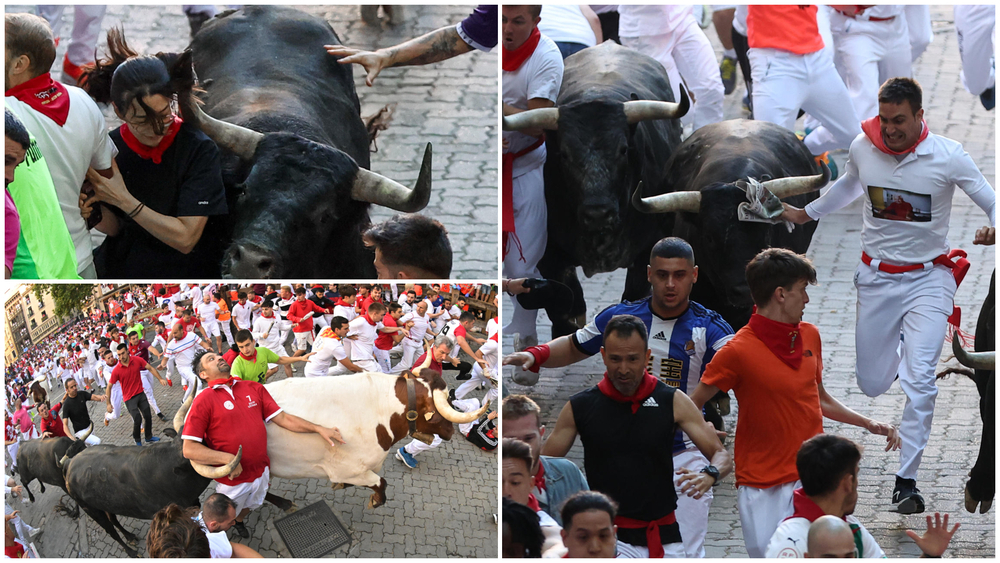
pixel 629 457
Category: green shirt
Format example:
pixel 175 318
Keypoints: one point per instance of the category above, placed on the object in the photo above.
pixel 138 329
pixel 253 371
pixel 45 249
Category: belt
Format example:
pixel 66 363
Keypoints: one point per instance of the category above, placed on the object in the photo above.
pixel 507 215
pixel 653 542
pixel 955 261
pixel 871 19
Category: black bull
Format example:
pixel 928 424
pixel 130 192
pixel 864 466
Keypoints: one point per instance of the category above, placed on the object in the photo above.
pixel 287 115
pixel 42 459
pixel 611 130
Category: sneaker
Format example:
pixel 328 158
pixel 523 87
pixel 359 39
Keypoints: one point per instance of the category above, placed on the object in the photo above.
pixel 989 98
pixel 160 416
pixel 747 105
pixel 35 532
pixel 908 496
pixel 407 459
pixel 71 73
pixel 241 529
pixel 152 440
pixel 451 395
pixel 139 443
pixel 728 70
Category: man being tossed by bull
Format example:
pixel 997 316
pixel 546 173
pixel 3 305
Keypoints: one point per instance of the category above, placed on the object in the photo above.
pixel 229 415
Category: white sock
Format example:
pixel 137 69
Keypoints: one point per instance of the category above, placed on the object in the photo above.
pixel 730 53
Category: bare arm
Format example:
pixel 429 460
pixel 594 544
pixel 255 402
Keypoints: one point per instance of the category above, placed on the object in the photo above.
pixel 433 47
pixel 464 345
pixel 156 373
pixel 562 352
pixel 533 103
pixel 690 419
pixel 241 551
pixel 594 21
pixel 200 453
pixel 563 436
pixel 293 423
pixel 835 410
pixel 292 360
pixel 347 363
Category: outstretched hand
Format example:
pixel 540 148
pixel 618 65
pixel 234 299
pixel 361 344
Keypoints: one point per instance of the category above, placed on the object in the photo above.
pixel 936 539
pixel 893 439
pixel 373 62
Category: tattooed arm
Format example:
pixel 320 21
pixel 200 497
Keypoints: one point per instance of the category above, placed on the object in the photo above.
pixel 436 46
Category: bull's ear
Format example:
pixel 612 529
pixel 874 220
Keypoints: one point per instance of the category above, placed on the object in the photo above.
pixel 170 433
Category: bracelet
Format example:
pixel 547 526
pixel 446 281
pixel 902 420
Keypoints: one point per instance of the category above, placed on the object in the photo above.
pixel 137 209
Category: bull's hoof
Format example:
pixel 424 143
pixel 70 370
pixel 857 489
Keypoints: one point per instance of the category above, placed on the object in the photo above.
pixel 971 503
pixel 131 552
pixel 374 502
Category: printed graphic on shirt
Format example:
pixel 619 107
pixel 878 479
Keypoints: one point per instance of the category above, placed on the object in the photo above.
pixel 899 205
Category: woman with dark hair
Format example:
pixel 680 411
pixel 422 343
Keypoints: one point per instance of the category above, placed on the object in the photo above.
pixel 167 180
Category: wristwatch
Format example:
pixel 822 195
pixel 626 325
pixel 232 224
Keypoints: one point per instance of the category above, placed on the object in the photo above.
pixel 712 472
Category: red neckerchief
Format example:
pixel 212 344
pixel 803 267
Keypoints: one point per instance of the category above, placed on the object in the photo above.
pixel 783 339
pixel 873 130
pixel 369 319
pixel 151 153
pixel 229 382
pixel 44 95
pixel 533 503
pixel 342 303
pixel 266 316
pixel 540 477
pixel 641 394
pixel 250 358
pixel 512 60
pixel 805 507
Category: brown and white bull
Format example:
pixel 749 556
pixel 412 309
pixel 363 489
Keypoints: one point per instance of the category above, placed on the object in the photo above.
pixel 373 411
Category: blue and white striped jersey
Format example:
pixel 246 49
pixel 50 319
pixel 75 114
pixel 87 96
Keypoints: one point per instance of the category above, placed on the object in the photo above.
pixel 681 346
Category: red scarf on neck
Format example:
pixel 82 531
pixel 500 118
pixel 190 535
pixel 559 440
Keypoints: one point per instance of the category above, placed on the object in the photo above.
pixel 512 60
pixel 783 339
pixel 533 503
pixel 539 478
pixel 873 130
pixel 227 381
pixel 645 389
pixel 342 303
pixel 250 358
pixel 271 316
pixel 44 95
pixel 151 153
pixel 369 319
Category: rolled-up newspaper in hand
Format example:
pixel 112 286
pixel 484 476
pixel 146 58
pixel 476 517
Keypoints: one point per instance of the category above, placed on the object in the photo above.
pixel 763 206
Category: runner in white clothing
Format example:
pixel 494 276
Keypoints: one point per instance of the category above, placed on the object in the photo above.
pixel 267 331
pixel 328 348
pixel 181 349
pixel 208 311
pixel 242 313
pixel 909 273
pixel 417 323
pixel 366 329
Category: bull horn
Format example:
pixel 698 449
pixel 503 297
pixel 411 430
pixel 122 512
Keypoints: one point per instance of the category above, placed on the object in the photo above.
pixel 428 350
pixel 88 432
pixel 667 203
pixel 375 188
pixel 541 118
pixel 65 458
pixel 181 413
pixel 798 185
pixel 221 471
pixel 644 110
pixel 239 140
pixel 450 414
pixel 976 360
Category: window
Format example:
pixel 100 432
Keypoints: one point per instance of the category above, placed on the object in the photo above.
pixel 34 325
pixel 45 316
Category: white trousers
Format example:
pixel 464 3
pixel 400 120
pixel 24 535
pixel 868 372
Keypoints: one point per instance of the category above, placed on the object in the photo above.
pixel 147 388
pixel 86 29
pixel 367 365
pixel 687 54
pixel 531 224
pixel 91 440
pixel 783 82
pixel 12 450
pixel 975 27
pixel 692 515
pixel 761 511
pixel 383 359
pixel 188 379
pixel 212 329
pixel 917 304
pixel 411 351
pixel 228 332
pixel 918 25
pixel 868 54
pixel 116 401
pixel 416 446
pixel 670 551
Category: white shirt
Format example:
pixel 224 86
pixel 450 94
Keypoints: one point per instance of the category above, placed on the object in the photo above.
pixel 449 330
pixel 539 77
pixel 182 351
pixel 789 540
pixel 362 347
pixel 419 328
pixel 218 542
pixel 491 355
pixel 565 23
pixel 241 314
pixel 327 350
pixel 81 143
pixel 159 342
pixel 167 318
pixel 492 326
pixel 654 19
pixel 925 179
pixel 208 312
pixel 273 327
pixel 347 312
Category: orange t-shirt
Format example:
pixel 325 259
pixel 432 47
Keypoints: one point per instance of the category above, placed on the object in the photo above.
pixel 787 27
pixel 778 406
pixel 224 314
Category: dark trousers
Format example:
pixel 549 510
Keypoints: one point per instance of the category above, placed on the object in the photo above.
pixel 464 369
pixel 741 46
pixel 136 405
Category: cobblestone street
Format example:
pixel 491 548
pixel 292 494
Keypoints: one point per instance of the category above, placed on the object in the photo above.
pixel 451 104
pixel 954 443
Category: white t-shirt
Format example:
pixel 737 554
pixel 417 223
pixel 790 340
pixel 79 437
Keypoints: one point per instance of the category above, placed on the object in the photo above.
pixel 241 314
pixel 347 312
pixel 327 350
pixel 925 180
pixel 273 327
pixel 492 326
pixel 218 542
pixel 789 540
pixel 539 77
pixel 491 354
pixel 419 328
pixel 159 342
pixel 81 143
pixel 362 347
pixel 652 19
pixel 449 330
pixel 565 23
pixel 182 351
pixel 167 318
pixel 208 312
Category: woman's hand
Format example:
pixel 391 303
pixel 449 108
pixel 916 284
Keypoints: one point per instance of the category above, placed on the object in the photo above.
pixel 110 190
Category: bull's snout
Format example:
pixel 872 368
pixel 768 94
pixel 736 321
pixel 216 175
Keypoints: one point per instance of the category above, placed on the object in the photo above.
pixel 249 261
pixel 597 217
